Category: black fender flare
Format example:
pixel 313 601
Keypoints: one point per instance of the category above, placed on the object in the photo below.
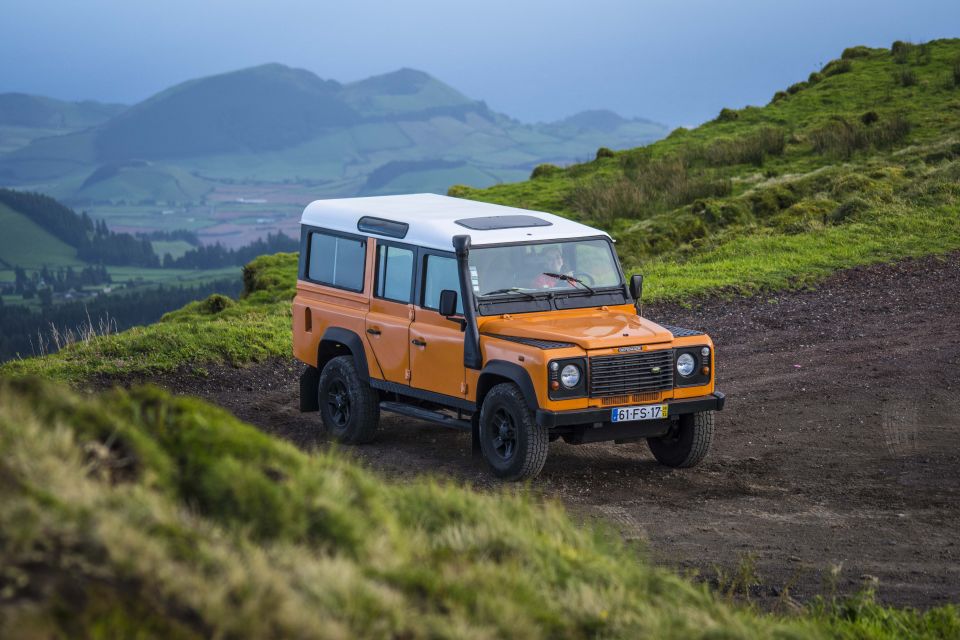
pixel 332 345
pixel 497 369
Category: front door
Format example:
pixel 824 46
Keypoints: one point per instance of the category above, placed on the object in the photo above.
pixel 436 343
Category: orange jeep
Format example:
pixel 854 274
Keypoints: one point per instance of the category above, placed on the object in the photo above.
pixel 515 325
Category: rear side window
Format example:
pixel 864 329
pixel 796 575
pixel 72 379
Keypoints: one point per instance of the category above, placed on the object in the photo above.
pixel 394 273
pixel 336 261
pixel 441 274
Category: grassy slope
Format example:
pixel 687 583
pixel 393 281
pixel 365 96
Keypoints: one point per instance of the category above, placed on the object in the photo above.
pixel 796 215
pixel 174 519
pixel 180 520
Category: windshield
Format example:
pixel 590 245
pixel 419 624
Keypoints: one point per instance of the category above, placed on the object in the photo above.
pixel 556 267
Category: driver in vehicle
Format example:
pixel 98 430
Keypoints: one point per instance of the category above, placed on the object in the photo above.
pixel 552 264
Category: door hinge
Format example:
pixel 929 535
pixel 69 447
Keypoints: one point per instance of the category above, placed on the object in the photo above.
pixel 406 374
pixel 463 388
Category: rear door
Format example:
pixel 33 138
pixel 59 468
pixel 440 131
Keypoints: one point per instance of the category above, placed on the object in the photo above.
pixel 391 309
pixel 436 343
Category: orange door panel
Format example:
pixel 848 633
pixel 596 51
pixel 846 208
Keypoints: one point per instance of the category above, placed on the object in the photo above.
pixel 388 327
pixel 436 354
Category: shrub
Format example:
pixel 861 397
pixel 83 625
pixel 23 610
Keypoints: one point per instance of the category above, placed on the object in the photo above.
pixel 906 77
pixel 458 191
pixel 890 131
pixel 544 170
pixel 805 215
pixel 869 118
pixel 604 200
pixel 835 67
pixel 604 152
pixel 797 87
pixel 722 213
pixel 848 209
pixel 956 73
pixel 855 52
pixel 646 187
pixel 842 138
pixel 727 115
pixel 778 96
pixel 768 201
pixel 748 149
pixel 836 137
pixel 901 51
pixel 814 78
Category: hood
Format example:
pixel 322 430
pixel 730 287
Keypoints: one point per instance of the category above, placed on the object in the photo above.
pixel 587 328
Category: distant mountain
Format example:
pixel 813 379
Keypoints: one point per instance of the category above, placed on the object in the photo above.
pixel 252 110
pixel 204 152
pixel 24 110
pixel 24 117
pixel 402 92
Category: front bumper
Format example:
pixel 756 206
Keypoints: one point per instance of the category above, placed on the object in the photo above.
pixel 552 419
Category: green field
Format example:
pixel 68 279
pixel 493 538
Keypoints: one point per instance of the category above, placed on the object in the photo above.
pixel 24 244
pixel 176 248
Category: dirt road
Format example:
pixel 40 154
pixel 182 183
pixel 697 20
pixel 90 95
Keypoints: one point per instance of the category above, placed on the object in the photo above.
pixel 839 445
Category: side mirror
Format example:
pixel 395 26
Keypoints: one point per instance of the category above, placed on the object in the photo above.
pixel 448 303
pixel 636 287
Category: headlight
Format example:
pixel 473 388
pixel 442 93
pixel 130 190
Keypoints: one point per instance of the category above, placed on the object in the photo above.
pixel 685 365
pixel 570 376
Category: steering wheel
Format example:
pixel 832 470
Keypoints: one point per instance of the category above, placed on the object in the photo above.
pixel 586 277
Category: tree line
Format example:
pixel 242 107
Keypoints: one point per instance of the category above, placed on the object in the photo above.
pixel 27 332
pixel 214 256
pixel 97 244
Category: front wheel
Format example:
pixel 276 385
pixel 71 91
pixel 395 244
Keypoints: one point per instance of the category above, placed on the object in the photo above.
pixel 349 407
pixel 687 444
pixel 512 443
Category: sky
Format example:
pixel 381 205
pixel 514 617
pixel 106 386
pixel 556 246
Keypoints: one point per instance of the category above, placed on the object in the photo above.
pixel 675 62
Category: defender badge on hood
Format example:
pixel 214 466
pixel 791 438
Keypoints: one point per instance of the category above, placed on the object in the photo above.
pixel 635 347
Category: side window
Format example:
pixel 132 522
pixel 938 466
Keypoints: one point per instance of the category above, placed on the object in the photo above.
pixel 394 273
pixel 336 261
pixel 441 274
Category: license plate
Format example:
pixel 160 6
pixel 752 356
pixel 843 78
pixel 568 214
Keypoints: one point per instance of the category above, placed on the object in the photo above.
pixel 642 412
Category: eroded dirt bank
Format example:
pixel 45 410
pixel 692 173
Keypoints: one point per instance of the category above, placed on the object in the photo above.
pixel 840 445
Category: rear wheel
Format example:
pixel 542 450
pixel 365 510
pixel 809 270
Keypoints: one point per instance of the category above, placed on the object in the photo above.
pixel 349 407
pixel 687 444
pixel 512 443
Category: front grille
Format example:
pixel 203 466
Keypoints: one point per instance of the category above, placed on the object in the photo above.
pixel 636 398
pixel 631 373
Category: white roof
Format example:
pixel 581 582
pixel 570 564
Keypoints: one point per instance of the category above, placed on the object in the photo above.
pixel 432 219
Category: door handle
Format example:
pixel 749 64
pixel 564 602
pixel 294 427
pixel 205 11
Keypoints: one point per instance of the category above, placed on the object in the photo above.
pixel 374 332
pixel 418 342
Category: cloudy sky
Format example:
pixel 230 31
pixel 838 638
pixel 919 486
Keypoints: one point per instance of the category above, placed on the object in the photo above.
pixel 675 61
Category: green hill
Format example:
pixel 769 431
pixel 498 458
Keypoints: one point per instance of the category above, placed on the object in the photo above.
pixel 404 91
pixel 25 118
pixel 252 110
pixel 284 137
pixel 858 163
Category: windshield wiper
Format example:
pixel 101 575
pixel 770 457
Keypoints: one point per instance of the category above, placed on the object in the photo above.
pixel 509 290
pixel 566 278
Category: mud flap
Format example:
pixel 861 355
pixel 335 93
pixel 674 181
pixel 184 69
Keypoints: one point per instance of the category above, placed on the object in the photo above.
pixel 475 435
pixel 309 382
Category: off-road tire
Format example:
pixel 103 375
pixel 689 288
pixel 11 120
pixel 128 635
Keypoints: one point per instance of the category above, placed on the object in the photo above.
pixel 687 444
pixel 530 441
pixel 350 409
